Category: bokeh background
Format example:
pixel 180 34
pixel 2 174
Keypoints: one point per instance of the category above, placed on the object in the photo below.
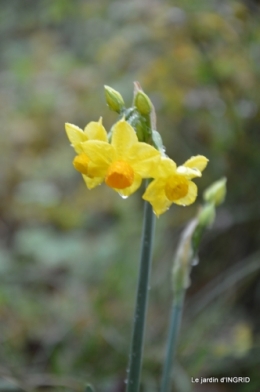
pixel 69 256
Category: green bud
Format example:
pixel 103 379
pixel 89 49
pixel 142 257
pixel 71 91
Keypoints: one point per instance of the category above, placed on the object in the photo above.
pixel 114 99
pixel 143 103
pixel 216 192
pixel 89 388
pixel 206 215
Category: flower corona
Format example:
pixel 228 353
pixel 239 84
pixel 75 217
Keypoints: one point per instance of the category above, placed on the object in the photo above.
pixel 120 175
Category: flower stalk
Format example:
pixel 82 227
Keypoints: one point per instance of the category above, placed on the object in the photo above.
pixel 136 352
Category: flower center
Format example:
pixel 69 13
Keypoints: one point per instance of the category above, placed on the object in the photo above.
pixel 120 175
pixel 176 188
pixel 80 163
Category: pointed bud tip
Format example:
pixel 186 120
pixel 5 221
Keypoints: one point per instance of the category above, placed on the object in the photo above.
pixel 143 103
pixel 89 388
pixel 216 192
pixel 114 99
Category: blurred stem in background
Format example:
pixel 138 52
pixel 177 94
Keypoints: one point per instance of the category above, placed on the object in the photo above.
pixel 179 277
pixel 185 258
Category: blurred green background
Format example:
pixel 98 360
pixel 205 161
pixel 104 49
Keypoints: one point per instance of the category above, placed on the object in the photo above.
pixel 69 256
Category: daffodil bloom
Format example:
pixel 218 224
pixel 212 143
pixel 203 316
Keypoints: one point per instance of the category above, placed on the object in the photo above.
pixel 123 163
pixel 173 184
pixel 93 131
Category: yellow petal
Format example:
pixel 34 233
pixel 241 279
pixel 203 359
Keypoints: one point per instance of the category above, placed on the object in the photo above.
pixel 165 168
pixel 95 131
pixel 190 197
pixel 144 159
pixel 198 162
pixel 92 182
pixel 154 189
pixel 131 189
pixel 76 136
pixel 81 163
pixel 123 138
pixel 188 172
pixel 100 153
pixel 97 170
pixel 155 194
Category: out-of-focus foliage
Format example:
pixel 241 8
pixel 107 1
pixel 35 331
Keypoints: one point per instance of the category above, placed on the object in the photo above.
pixel 69 256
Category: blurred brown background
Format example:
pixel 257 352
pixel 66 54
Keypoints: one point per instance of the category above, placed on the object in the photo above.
pixel 69 256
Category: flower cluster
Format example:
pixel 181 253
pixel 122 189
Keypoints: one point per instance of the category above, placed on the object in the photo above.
pixel 122 161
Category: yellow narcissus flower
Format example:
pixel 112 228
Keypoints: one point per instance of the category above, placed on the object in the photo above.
pixel 123 163
pixel 173 184
pixel 93 131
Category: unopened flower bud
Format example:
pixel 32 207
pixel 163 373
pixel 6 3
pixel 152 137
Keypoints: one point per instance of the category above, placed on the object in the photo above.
pixel 143 103
pixel 206 215
pixel 89 388
pixel 216 192
pixel 114 99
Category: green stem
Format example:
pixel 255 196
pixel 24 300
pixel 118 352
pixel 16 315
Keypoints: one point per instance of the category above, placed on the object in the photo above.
pixel 174 327
pixel 136 353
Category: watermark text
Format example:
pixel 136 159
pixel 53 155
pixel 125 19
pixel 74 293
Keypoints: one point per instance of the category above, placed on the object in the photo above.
pixel 215 380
